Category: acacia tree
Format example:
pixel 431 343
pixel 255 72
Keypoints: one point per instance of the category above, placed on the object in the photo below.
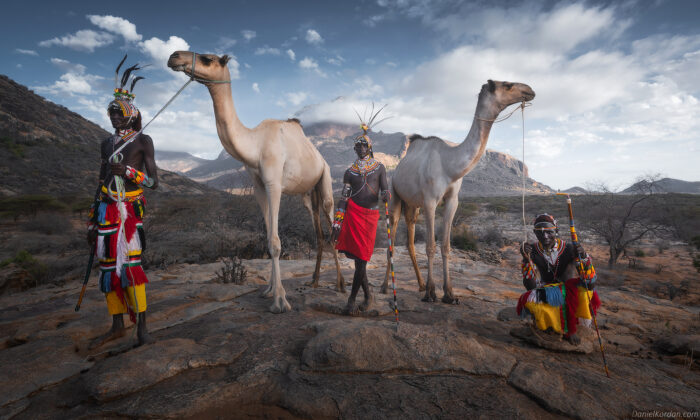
pixel 623 218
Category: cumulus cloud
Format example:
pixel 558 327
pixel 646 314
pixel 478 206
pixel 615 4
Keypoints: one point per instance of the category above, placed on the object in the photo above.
pixel 83 40
pixel 248 34
pixel 67 66
pixel 26 52
pixel 296 98
pixel 267 51
pixel 256 88
pixel 116 25
pixel 291 55
pixel 160 50
pixel 336 61
pixel 313 37
pixel 226 42
pixel 310 64
pixel 74 82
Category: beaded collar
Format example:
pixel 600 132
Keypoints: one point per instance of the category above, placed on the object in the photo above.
pixel 364 166
pixel 552 256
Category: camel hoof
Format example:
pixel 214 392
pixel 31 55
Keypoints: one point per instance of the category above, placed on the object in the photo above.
pixel 450 300
pixel 267 292
pixel 340 288
pixel 281 305
pixel 430 296
pixel 421 288
pixel 384 290
pixel 313 283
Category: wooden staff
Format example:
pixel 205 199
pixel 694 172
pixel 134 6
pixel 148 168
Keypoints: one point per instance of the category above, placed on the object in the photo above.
pixel 391 262
pixel 581 272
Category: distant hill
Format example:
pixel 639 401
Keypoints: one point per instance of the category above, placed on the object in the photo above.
pixel 495 174
pixel 576 190
pixel 668 185
pixel 179 162
pixel 47 149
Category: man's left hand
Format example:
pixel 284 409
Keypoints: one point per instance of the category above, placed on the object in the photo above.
pixel 386 196
pixel 580 250
pixel 118 169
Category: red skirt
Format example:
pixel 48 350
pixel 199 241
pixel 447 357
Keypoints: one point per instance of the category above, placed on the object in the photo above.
pixel 358 232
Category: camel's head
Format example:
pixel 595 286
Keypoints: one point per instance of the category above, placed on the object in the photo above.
pixel 206 66
pixel 506 93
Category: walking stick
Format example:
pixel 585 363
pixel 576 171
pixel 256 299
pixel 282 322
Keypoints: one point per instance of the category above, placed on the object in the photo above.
pixel 85 282
pixel 580 269
pixel 391 262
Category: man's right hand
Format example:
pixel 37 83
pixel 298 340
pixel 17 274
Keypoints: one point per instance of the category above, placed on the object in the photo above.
pixel 92 237
pixel 525 250
pixel 334 234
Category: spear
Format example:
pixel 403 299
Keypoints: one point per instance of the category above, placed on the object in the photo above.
pixel 391 262
pixel 580 269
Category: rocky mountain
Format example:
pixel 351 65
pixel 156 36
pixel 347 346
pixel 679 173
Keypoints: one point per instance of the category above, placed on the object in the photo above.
pixel 177 161
pixel 47 149
pixel 668 185
pixel 495 174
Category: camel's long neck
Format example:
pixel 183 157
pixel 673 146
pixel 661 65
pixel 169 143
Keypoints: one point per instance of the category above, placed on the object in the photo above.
pixel 468 153
pixel 235 137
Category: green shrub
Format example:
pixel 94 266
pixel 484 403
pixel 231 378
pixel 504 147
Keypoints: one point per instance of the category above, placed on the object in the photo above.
pixel 696 262
pixel 695 240
pixel 463 238
pixel 639 253
pixel 16 149
pixel 36 269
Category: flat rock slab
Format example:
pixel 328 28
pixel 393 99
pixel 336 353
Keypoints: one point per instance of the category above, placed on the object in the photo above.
pixel 552 341
pixel 37 364
pixel 140 368
pixel 374 347
pixel 548 389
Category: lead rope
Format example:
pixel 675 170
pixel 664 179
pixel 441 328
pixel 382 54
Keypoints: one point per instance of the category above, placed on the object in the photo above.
pixel 522 109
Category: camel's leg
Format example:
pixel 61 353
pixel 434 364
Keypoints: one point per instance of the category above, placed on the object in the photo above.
pixel 311 202
pixel 325 190
pixel 261 198
pixel 274 194
pixel 451 203
pixel 394 217
pixel 411 217
pixel 430 249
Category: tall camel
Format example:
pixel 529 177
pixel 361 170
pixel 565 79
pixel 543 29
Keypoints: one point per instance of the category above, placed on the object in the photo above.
pixel 278 157
pixel 432 171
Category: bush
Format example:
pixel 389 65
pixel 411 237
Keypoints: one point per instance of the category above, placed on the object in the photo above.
pixel 36 269
pixel 48 223
pixel 15 148
pixel 493 236
pixel 639 253
pixel 463 238
pixel 233 271
pixel 696 262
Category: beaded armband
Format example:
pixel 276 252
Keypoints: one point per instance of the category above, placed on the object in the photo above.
pixel 138 177
pixel 528 270
pixel 587 272
pixel 338 218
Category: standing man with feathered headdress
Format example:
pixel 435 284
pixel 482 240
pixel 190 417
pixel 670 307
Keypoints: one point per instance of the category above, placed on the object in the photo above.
pixel 355 221
pixel 116 217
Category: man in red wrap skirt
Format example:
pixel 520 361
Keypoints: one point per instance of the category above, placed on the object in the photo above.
pixel 355 222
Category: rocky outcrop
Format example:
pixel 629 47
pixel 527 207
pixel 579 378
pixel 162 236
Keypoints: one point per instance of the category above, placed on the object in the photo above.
pixel 219 352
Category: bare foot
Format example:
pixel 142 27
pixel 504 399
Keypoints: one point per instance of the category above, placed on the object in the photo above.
pixel 106 337
pixel 366 304
pixel 573 339
pixel 351 309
